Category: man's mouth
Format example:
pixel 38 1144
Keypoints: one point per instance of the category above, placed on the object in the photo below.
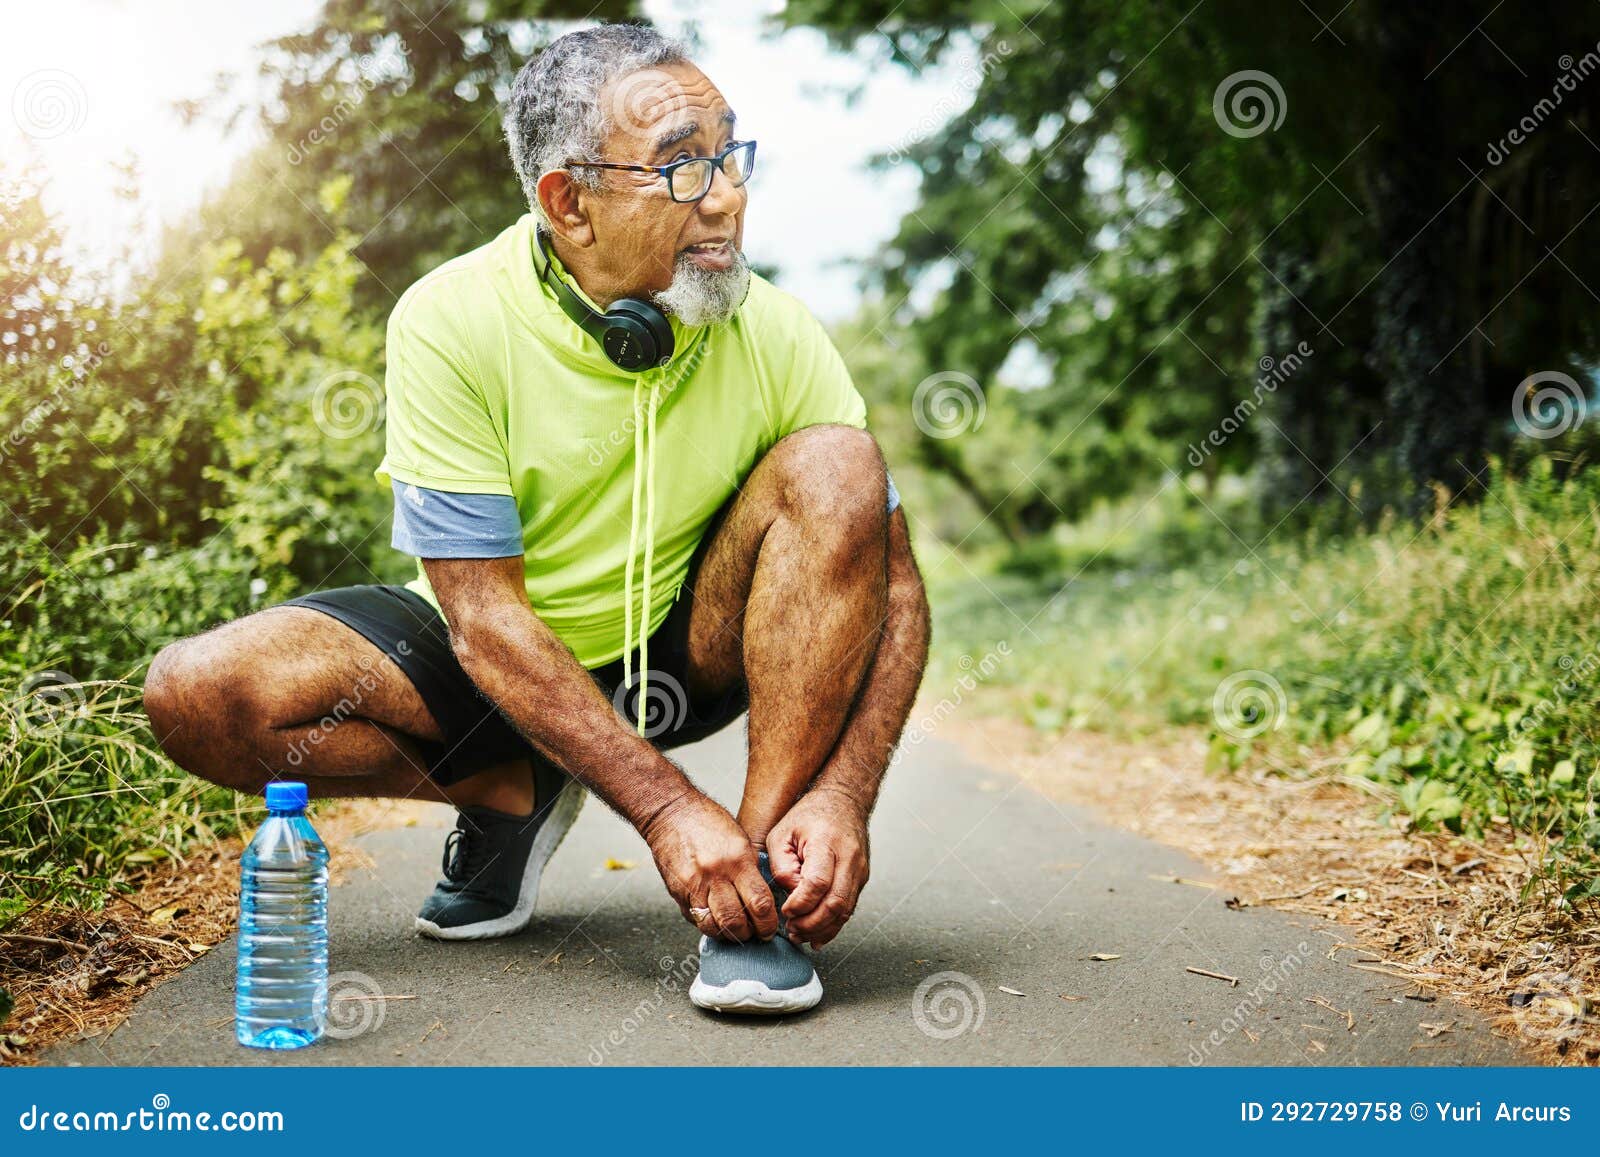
pixel 712 254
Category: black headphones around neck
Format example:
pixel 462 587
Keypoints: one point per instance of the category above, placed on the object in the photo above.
pixel 634 333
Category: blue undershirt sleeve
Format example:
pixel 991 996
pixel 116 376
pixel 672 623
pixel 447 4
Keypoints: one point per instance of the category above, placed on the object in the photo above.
pixel 440 524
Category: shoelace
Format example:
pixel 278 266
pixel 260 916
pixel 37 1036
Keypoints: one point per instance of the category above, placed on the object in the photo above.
pixel 780 894
pixel 463 855
pixel 644 477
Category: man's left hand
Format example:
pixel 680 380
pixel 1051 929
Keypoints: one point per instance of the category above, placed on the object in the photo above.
pixel 819 853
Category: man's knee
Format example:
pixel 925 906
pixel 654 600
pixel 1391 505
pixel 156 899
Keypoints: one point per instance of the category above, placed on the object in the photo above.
pixel 833 476
pixel 201 721
pixel 165 691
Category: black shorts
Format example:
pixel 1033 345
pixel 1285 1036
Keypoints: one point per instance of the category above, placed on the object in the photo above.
pixel 408 629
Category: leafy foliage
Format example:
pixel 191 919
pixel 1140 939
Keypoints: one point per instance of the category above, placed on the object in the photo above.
pixel 1457 664
pixel 402 101
pixel 171 460
pixel 1093 208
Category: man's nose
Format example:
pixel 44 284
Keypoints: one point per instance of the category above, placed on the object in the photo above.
pixel 723 198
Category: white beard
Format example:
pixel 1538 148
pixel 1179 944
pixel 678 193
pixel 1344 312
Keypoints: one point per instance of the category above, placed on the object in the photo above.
pixel 704 296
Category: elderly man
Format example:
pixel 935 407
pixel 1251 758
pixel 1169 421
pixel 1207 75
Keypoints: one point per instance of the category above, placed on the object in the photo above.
pixel 638 484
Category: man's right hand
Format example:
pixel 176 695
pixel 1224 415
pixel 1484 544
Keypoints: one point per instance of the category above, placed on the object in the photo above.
pixel 709 866
pixel 517 661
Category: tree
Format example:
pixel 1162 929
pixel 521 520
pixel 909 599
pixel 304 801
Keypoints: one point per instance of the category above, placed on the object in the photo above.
pixel 1161 197
pixel 402 100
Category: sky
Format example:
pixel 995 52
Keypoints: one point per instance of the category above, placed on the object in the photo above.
pixel 94 81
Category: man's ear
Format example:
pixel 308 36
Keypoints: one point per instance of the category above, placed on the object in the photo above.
pixel 562 200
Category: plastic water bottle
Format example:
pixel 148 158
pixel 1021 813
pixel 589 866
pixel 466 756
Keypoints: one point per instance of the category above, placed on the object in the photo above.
pixel 281 992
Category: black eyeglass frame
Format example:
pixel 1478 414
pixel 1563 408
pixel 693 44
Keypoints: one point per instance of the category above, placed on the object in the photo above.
pixel 666 171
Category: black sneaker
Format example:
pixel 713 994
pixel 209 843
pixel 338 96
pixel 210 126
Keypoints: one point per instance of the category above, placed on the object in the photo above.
pixel 493 861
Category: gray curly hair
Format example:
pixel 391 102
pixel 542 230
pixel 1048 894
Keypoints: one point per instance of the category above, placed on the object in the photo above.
pixel 555 116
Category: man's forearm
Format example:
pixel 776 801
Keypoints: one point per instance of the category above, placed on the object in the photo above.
pixel 526 671
pixel 859 759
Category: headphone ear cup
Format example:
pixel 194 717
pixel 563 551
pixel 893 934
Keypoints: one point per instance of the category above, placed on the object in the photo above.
pixel 627 342
pixel 638 334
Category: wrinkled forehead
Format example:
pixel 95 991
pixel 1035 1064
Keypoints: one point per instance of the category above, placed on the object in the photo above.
pixel 651 111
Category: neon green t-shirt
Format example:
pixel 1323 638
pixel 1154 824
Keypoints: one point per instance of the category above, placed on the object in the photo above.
pixel 493 390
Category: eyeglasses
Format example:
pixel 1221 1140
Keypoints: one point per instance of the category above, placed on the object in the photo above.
pixel 690 179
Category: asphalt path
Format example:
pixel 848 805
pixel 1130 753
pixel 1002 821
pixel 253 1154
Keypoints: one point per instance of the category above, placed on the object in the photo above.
pixel 975 943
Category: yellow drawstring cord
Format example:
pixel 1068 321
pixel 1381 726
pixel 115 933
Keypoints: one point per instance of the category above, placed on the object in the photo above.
pixel 649 552
pixel 644 475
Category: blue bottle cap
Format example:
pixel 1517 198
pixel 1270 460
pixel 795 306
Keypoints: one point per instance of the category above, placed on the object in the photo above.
pixel 286 796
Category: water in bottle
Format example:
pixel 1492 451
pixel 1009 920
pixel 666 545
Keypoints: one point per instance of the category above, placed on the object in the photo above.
pixel 281 992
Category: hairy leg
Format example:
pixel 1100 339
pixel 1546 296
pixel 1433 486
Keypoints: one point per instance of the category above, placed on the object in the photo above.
pixel 791 597
pixel 289 692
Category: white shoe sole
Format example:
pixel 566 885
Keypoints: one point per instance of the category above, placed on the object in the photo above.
pixel 563 814
pixel 755 998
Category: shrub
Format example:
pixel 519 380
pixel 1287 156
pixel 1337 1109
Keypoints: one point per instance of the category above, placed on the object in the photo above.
pixel 195 449
pixel 1458 662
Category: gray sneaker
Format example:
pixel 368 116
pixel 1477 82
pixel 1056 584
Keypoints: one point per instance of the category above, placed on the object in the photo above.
pixel 493 862
pixel 762 977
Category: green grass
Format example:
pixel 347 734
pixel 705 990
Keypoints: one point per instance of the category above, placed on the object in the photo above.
pixel 85 796
pixel 1458 662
